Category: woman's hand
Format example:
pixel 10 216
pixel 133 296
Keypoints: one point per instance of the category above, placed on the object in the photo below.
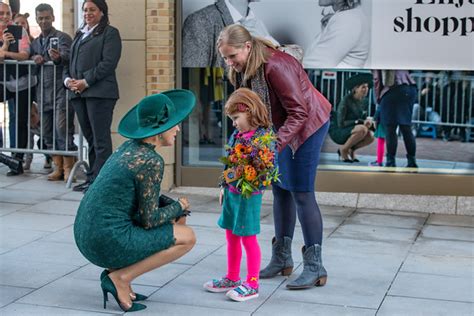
pixel 77 86
pixel 368 123
pixel 184 203
pixel 7 39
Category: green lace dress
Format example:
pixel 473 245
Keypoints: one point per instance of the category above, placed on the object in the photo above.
pixel 122 218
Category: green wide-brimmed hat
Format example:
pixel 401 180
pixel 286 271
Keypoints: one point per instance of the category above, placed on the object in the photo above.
pixel 157 113
pixel 359 79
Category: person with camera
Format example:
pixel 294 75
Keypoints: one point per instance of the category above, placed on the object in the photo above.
pixel 350 125
pixel 14 45
pixel 53 45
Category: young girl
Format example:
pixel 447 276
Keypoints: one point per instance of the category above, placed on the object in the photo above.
pixel 380 135
pixel 241 205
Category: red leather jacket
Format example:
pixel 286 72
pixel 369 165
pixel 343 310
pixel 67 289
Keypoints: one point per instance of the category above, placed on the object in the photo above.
pixel 298 109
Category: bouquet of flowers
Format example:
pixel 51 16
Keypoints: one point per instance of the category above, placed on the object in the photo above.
pixel 250 164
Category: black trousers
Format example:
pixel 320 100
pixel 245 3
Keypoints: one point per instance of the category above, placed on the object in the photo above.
pixel 95 118
pixel 21 120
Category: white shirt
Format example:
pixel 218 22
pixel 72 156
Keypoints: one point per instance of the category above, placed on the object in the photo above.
pixel 86 31
pixel 343 43
pixel 251 23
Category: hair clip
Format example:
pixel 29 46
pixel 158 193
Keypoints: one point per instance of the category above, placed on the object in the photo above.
pixel 242 107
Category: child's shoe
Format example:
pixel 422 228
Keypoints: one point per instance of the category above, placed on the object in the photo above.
pixel 243 293
pixel 222 285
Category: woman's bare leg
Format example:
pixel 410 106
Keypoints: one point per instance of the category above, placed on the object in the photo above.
pixel 185 240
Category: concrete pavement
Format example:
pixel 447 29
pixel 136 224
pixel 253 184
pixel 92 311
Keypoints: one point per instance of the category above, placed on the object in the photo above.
pixel 379 262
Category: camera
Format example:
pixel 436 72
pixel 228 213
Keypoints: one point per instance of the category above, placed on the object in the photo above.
pixel 54 43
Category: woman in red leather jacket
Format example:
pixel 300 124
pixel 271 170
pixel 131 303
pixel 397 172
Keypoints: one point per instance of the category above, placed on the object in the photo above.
pixel 300 115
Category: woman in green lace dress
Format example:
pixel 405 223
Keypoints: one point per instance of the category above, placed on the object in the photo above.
pixel 350 126
pixel 123 223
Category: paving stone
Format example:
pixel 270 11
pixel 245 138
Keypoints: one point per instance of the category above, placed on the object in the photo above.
pixel 290 308
pixel 41 184
pixel 393 212
pixel 405 202
pixel 386 220
pixel 23 196
pixel 9 294
pixel 440 247
pixel 448 232
pixel 48 252
pixel 36 221
pixel 214 236
pixel 198 253
pixel 8 208
pixel 370 232
pixel 65 235
pixel 23 273
pixel 203 219
pixel 183 309
pixel 363 248
pixel 191 281
pixel 448 288
pixel 59 207
pixel 393 305
pixel 71 196
pixel 77 294
pixel 439 265
pixel 37 310
pixel 11 238
pixel 451 220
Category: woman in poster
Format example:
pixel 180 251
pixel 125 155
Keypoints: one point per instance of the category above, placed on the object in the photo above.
pixel 344 41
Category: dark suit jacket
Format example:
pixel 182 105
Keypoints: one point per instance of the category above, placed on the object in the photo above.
pixel 200 32
pixel 95 59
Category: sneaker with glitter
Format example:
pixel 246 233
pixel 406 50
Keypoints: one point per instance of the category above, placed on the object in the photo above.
pixel 221 285
pixel 243 293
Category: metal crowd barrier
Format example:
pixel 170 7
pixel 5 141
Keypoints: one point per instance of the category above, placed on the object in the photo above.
pixel 443 99
pixel 28 78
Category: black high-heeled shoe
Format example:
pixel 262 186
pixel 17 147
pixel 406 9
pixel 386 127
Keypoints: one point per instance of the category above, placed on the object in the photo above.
pixel 108 287
pixel 347 160
pixel 351 155
pixel 136 298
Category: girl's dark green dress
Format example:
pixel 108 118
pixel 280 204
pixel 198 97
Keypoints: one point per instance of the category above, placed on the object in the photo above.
pixel 122 218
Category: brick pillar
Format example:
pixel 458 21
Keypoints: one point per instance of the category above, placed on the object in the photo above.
pixel 160 64
pixel 160 45
pixel 68 17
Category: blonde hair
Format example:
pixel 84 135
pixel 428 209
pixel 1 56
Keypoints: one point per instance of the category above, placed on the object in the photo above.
pixel 237 36
pixel 247 100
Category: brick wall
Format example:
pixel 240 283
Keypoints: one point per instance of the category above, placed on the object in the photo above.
pixel 160 64
pixel 160 42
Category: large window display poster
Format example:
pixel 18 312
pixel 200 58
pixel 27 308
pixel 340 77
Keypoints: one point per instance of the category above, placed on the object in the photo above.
pixel 432 40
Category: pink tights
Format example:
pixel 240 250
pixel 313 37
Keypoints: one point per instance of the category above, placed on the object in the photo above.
pixel 380 149
pixel 234 256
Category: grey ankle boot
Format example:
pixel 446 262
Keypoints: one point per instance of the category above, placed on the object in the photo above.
pixel 411 162
pixel 281 261
pixel 313 273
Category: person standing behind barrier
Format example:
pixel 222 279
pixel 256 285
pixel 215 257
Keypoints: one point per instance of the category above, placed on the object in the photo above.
pixel 22 53
pixel 300 114
pixel 95 53
pixel 395 91
pixel 51 93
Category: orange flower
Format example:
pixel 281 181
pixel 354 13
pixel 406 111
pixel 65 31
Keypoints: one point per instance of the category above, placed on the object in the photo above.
pixel 240 150
pixel 250 173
